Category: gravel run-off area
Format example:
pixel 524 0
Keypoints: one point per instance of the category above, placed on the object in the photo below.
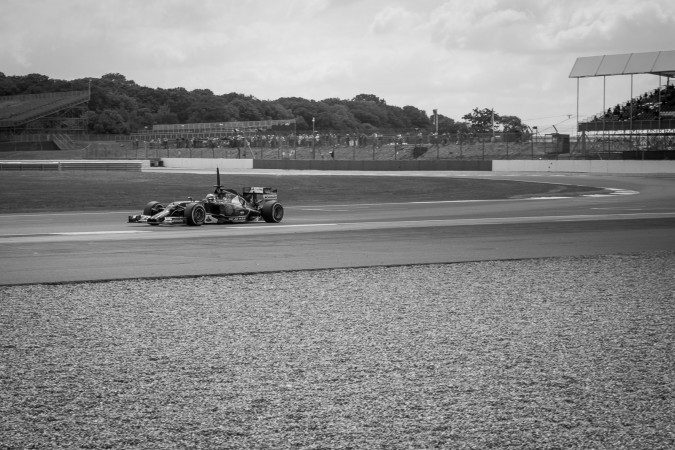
pixel 546 353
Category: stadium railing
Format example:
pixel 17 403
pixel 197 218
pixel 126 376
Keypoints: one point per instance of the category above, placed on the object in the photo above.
pixel 25 108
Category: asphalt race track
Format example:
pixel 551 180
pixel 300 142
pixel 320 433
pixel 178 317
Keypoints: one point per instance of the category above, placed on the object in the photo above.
pixel 638 215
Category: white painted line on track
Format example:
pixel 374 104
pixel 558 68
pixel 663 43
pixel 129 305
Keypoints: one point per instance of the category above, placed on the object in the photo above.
pixel 249 231
pixel 546 198
pixel 431 202
pixel 619 209
pixel 87 233
pixel 70 234
pixel 272 227
pixel 463 221
pixel 325 209
pixel 521 219
pixel 73 213
pixel 614 192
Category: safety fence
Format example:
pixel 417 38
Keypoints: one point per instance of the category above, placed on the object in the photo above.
pixel 355 148
pixel 658 145
pixel 463 147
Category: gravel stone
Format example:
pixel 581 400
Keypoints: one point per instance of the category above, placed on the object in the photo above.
pixel 545 353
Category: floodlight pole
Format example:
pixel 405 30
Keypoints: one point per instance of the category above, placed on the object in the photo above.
pixel 577 112
pixel 604 116
pixel 659 111
pixel 536 130
pixel 313 141
pixel 631 103
pixel 631 112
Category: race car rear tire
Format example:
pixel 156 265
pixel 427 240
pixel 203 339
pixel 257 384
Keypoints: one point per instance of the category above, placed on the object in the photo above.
pixel 195 214
pixel 152 208
pixel 272 212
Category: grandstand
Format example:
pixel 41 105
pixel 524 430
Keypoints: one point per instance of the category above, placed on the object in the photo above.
pixel 33 116
pixel 216 129
pixel 642 127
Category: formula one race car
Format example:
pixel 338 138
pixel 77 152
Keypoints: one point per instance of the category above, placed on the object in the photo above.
pixel 255 204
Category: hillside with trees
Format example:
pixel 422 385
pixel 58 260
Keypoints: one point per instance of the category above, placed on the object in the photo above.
pixel 120 106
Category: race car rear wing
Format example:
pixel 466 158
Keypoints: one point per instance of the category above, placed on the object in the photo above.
pixel 259 194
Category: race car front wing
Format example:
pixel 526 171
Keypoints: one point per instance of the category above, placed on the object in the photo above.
pixel 169 220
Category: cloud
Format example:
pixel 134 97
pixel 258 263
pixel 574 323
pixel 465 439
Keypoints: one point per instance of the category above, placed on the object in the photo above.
pixel 393 19
pixel 449 55
pixel 617 27
pixel 483 26
pixel 517 26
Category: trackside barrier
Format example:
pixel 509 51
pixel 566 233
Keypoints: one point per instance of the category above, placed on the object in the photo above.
pixel 29 165
pixel 85 165
pixel 206 163
pixel 392 165
pixel 585 166
pixel 570 166
pixel 129 166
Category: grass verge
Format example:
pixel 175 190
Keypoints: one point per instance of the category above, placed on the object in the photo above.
pixel 22 192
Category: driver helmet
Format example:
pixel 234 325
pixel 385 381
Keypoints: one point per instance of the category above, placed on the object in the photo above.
pixel 210 198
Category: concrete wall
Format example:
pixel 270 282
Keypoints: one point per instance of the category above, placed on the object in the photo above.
pixel 322 164
pixel 579 166
pixel 199 163
pixel 76 164
pixel 585 166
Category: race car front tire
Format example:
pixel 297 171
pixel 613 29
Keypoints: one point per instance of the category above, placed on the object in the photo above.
pixel 195 214
pixel 272 212
pixel 152 208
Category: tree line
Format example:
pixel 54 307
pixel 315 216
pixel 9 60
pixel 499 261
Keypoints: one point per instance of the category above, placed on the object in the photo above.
pixel 120 106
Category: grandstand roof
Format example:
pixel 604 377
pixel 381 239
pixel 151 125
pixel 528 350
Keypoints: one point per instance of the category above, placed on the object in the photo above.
pixel 656 63
pixel 19 109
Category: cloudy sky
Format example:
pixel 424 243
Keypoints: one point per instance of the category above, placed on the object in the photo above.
pixel 511 55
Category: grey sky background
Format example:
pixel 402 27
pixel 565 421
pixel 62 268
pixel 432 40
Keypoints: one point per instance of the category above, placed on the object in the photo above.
pixel 511 55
